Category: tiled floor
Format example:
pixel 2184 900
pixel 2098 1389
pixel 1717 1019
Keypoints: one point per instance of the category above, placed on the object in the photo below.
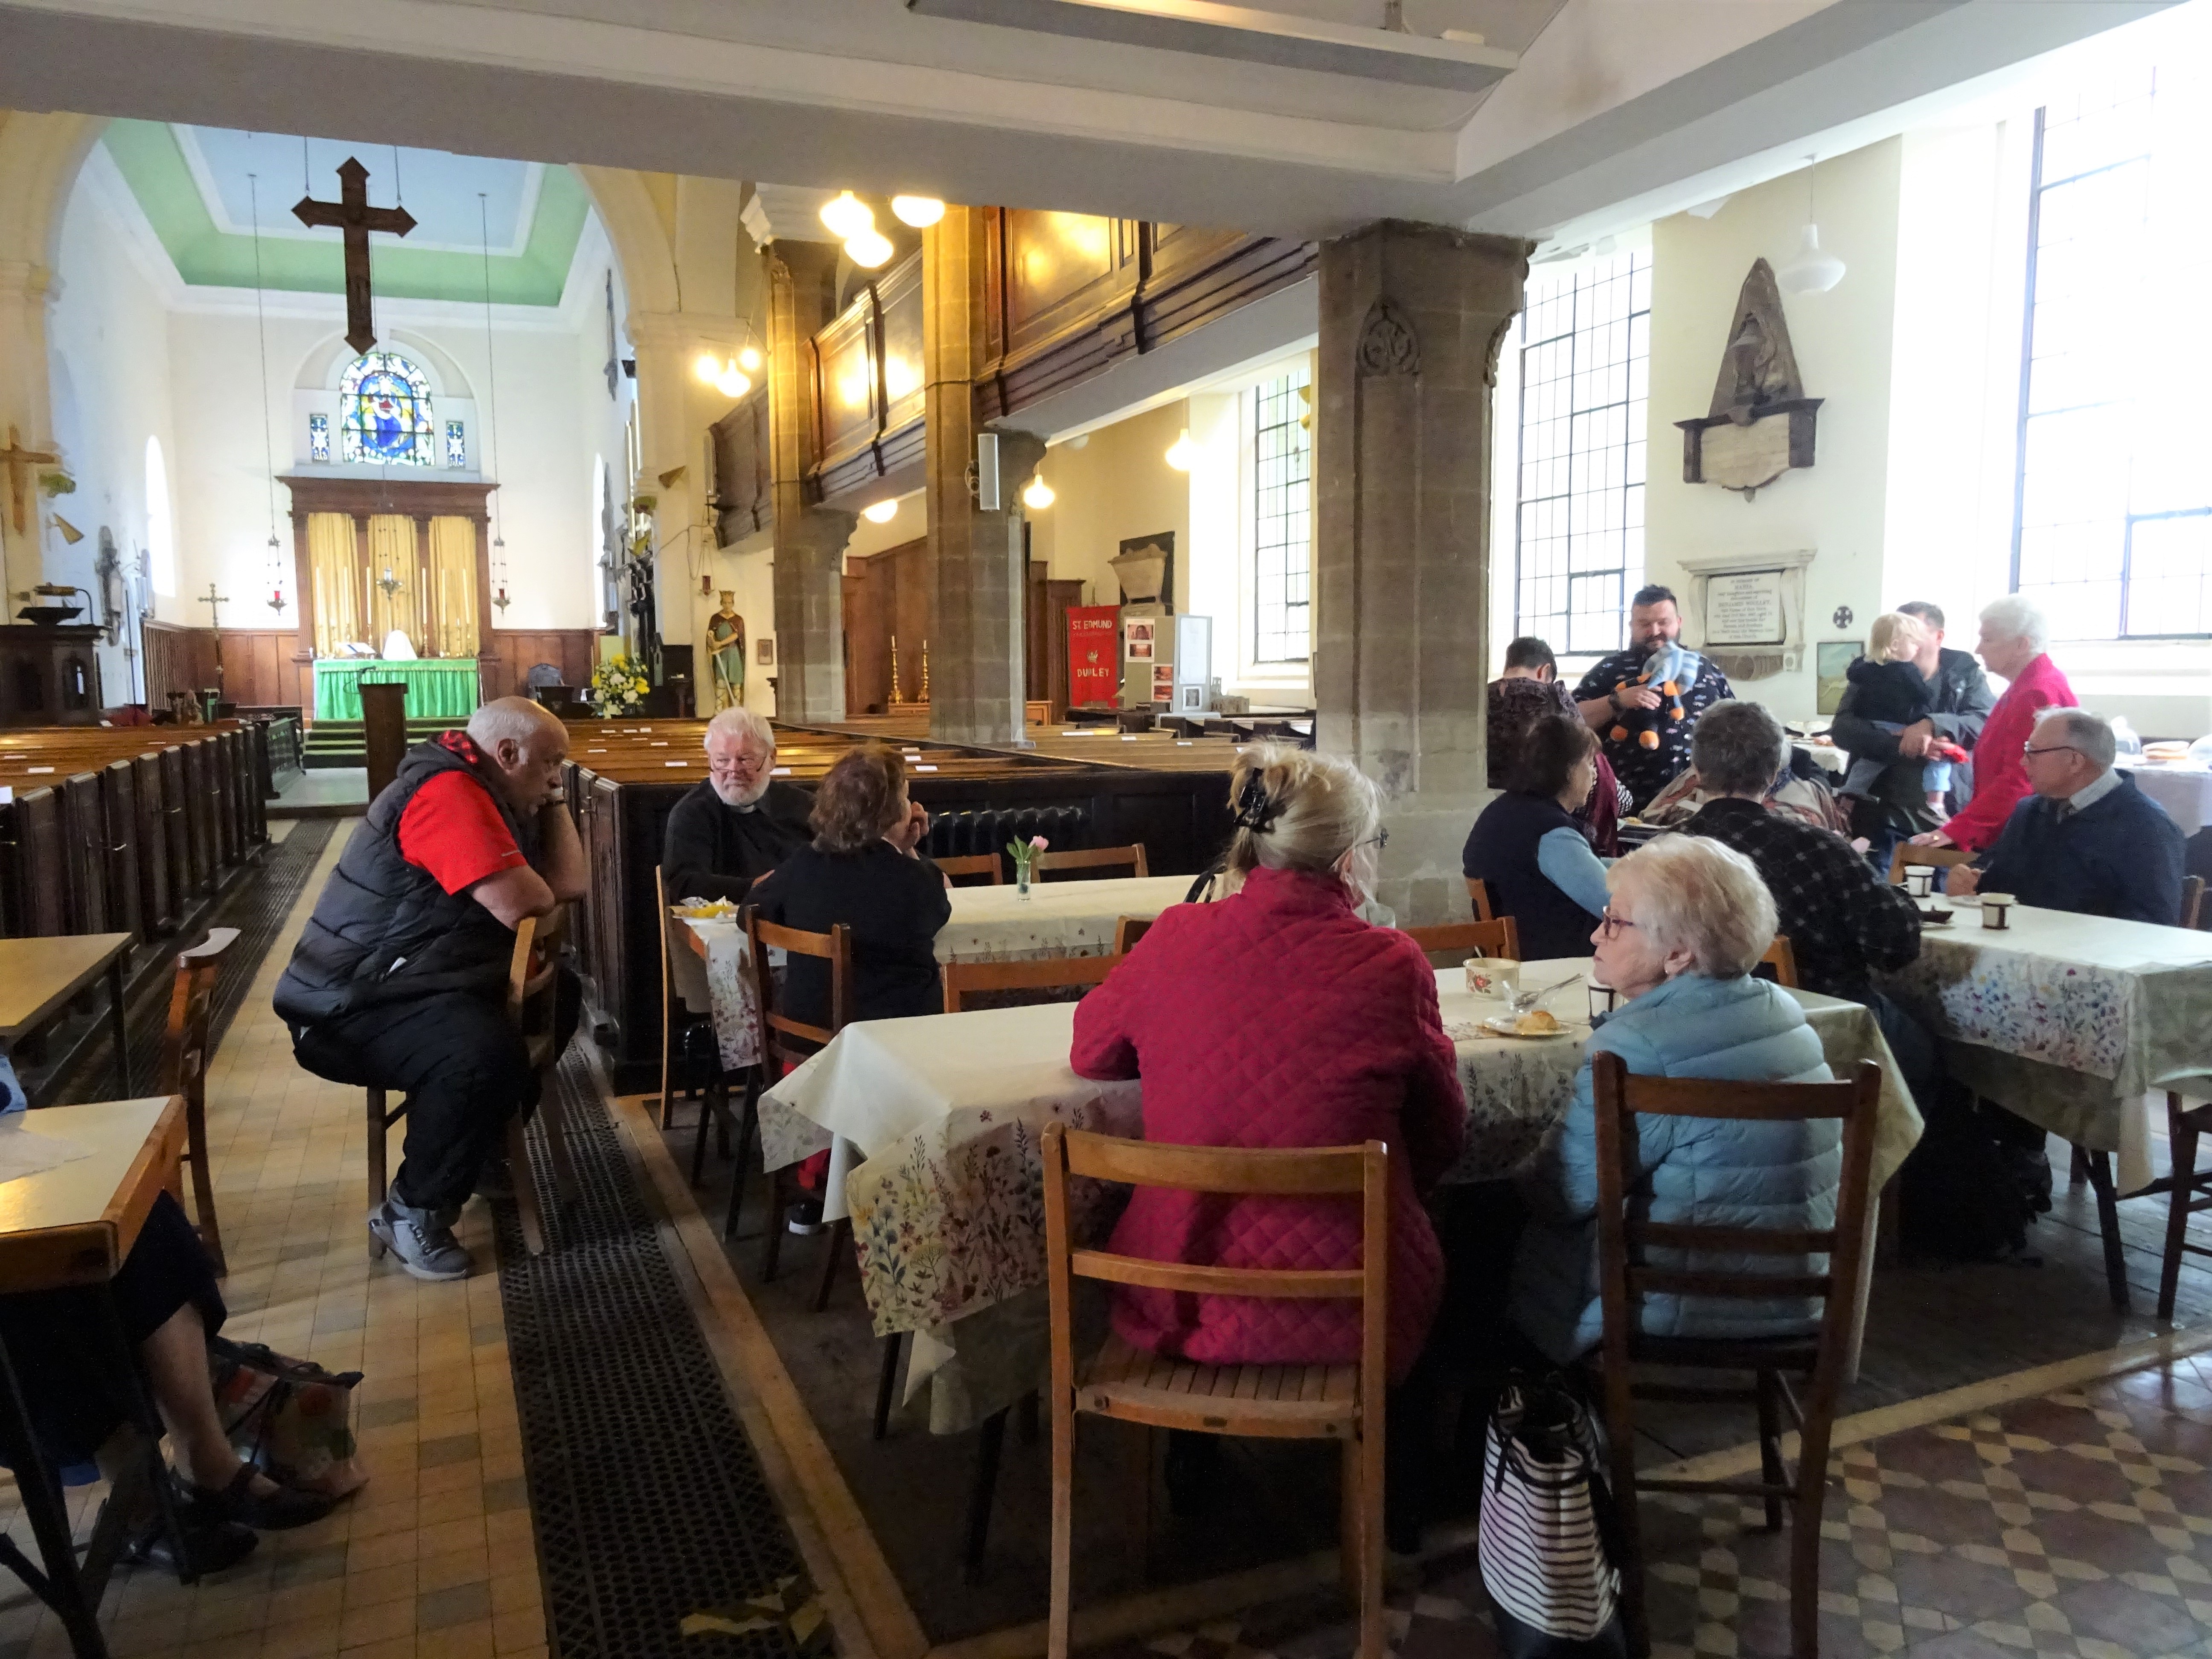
pixel 2076 1524
pixel 434 1557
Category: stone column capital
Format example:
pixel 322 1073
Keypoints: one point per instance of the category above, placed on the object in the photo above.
pixel 820 533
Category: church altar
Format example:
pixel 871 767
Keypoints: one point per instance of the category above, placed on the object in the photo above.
pixel 438 688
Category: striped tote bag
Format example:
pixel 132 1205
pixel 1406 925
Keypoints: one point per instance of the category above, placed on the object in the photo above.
pixel 1547 1535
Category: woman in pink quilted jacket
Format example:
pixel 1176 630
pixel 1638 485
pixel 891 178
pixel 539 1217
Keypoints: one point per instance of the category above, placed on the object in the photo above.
pixel 1277 1016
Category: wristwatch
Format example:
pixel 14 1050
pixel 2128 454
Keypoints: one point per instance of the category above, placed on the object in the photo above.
pixel 1613 697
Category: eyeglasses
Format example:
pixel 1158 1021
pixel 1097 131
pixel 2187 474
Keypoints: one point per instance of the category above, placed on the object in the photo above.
pixel 1610 924
pixel 1379 840
pixel 2027 749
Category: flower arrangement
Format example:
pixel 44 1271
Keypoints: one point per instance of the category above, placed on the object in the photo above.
pixel 618 687
pixel 1024 854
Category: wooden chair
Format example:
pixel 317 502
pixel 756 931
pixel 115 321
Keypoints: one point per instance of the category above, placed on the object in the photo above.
pixel 1907 856
pixel 963 979
pixel 1461 939
pixel 184 1057
pixel 531 995
pixel 672 1012
pixel 1478 894
pixel 1784 960
pixel 1127 929
pixel 990 866
pixel 785 1042
pixel 1625 1278
pixel 2189 1189
pixel 1342 1403
pixel 1131 857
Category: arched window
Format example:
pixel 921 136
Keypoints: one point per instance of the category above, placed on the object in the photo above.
pixel 384 412
pixel 160 536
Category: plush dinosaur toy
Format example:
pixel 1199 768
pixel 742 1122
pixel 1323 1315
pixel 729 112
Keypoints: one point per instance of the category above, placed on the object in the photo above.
pixel 1670 671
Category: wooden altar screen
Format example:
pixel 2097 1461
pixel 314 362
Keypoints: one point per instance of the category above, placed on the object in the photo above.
pixel 362 500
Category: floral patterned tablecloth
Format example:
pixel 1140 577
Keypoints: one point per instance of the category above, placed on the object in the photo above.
pixel 2076 1022
pixel 947 1111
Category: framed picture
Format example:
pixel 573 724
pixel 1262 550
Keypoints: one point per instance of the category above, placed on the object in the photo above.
pixel 1834 659
pixel 1137 636
pixel 765 650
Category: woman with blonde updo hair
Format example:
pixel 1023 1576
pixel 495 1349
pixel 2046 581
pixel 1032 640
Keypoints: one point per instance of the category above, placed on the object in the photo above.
pixel 1278 1018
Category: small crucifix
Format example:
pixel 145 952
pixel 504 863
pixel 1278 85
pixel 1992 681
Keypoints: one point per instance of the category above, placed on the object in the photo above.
pixel 19 460
pixel 215 602
pixel 352 214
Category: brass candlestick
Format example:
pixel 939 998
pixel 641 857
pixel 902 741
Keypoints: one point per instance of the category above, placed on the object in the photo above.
pixel 925 671
pixel 895 682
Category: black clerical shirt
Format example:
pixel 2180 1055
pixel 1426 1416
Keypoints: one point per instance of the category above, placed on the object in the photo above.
pixel 714 851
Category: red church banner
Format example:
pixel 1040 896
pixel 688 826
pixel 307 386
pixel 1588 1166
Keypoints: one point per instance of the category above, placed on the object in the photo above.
pixel 1094 654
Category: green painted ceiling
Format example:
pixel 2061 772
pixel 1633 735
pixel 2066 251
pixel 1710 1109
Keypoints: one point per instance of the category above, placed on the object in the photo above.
pixel 528 264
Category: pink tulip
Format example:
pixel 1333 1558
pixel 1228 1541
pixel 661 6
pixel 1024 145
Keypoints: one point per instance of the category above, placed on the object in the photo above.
pixel 1039 844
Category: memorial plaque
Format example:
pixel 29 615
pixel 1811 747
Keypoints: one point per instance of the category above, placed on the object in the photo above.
pixel 1746 609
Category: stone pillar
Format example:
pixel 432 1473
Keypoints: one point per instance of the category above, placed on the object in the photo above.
pixel 976 681
pixel 1412 319
pixel 810 541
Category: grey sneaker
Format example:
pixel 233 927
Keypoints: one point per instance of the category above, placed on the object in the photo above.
pixel 424 1242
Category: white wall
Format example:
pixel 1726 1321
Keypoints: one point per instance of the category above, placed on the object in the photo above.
pixel 1114 488
pixel 1843 341
pixel 109 349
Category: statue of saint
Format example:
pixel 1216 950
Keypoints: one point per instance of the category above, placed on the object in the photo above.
pixel 725 645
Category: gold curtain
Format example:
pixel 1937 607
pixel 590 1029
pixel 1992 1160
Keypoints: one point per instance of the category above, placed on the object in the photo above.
pixel 334 574
pixel 392 551
pixel 451 586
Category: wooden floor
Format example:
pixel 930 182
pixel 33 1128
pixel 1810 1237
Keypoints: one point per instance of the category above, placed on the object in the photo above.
pixel 1931 1329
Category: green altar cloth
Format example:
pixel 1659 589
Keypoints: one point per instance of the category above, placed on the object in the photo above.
pixel 438 688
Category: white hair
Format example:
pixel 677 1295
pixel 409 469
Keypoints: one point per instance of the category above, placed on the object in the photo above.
pixel 2013 617
pixel 516 718
pixel 2090 734
pixel 1695 895
pixel 742 723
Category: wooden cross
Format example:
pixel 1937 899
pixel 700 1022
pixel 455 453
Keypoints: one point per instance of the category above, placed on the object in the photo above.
pixel 19 460
pixel 352 214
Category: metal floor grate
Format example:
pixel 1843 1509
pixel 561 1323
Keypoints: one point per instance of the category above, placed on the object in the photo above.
pixel 257 906
pixel 649 1500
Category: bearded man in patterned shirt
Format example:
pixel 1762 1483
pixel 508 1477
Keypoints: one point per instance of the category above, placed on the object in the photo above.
pixel 1613 691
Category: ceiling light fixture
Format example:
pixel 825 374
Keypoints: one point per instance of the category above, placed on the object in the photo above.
pixel 920 211
pixel 733 382
pixel 750 360
pixel 1039 495
pixel 1812 271
pixel 848 216
pixel 1182 453
pixel 708 366
pixel 869 249
pixel 881 512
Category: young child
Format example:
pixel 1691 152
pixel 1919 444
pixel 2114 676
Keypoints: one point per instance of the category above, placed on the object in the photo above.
pixel 1893 693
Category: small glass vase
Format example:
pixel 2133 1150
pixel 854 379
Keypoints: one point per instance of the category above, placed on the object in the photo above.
pixel 1022 880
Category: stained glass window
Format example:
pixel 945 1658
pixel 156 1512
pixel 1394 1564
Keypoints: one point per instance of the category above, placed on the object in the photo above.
pixel 1282 456
pixel 384 410
pixel 1585 358
pixel 456 444
pixel 318 437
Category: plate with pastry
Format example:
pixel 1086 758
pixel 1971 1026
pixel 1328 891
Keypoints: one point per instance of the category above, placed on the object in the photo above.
pixel 1537 1022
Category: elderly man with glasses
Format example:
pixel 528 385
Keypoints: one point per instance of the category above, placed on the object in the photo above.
pixel 733 829
pixel 2086 838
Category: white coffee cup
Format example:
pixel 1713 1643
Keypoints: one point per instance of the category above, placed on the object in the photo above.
pixel 1919 880
pixel 1997 908
pixel 1601 999
pixel 1498 977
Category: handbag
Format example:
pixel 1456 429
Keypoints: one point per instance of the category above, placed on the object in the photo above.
pixel 1548 1537
pixel 288 1417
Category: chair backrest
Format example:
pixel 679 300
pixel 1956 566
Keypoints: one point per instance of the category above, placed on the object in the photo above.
pixel 1095 857
pixel 779 1033
pixel 543 673
pixel 2192 901
pixel 530 992
pixel 1127 929
pixel 191 1011
pixel 1478 895
pixel 1321 1172
pixel 989 865
pixel 1784 960
pixel 964 979
pixel 1465 938
pixel 1938 858
pixel 1623 1276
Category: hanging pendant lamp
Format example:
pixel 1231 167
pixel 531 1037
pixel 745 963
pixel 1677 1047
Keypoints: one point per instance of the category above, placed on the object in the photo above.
pixel 1814 270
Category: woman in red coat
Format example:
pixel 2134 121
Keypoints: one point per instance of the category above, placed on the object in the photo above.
pixel 1278 1018
pixel 2014 634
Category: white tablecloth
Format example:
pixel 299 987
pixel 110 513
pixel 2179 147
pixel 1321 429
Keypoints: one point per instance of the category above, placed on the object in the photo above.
pixel 947 1111
pixel 1058 918
pixel 2079 1023
pixel 2185 792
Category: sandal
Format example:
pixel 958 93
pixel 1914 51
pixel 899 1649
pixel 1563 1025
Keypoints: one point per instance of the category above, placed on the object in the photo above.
pixel 276 1511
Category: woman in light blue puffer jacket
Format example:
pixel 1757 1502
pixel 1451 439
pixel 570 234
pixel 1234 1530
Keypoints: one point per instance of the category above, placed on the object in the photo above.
pixel 1688 921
